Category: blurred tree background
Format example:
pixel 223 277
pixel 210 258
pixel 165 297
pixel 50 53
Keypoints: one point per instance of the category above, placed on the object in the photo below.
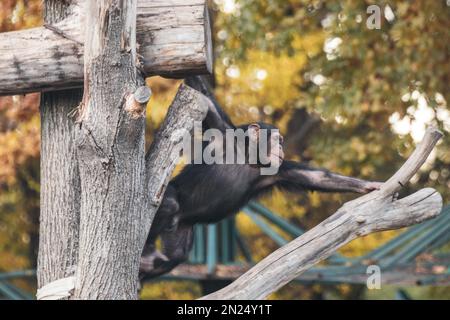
pixel 348 98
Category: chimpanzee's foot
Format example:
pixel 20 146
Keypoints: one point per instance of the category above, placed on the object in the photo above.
pixel 153 264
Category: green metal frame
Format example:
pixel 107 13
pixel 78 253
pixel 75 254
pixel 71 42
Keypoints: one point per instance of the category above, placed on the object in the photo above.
pixel 219 244
pixel 11 291
pixel 399 251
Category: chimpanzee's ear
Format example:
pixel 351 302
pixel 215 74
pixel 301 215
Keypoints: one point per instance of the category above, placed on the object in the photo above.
pixel 253 131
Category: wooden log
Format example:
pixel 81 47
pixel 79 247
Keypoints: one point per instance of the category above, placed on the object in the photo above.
pixel 60 182
pixel 406 274
pixel 188 106
pixel 110 151
pixel 376 211
pixel 173 40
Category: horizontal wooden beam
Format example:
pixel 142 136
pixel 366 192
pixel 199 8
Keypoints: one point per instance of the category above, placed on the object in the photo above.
pixel 400 275
pixel 174 40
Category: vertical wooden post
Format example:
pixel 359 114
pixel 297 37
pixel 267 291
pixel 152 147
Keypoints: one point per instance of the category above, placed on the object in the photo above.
pixel 99 189
pixel 60 187
pixel 111 155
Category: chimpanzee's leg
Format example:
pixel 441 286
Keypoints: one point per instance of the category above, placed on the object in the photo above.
pixel 176 246
pixel 165 220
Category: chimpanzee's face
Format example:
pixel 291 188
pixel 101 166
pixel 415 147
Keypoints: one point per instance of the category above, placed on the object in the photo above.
pixel 275 150
pixel 269 144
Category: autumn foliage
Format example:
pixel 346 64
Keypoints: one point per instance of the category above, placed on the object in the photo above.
pixel 365 95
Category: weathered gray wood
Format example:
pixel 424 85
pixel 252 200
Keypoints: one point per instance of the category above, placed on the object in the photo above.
pixel 60 186
pixel 376 211
pixel 174 39
pixel 110 156
pixel 118 184
pixel 59 241
pixel 188 107
pixel 96 189
pixel 402 275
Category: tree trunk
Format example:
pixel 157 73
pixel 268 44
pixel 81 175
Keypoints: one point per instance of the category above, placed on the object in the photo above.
pixel 60 187
pixel 110 155
pixel 99 191
pixel 188 107
pixel 121 188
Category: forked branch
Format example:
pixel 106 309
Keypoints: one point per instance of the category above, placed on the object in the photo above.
pixel 188 107
pixel 376 211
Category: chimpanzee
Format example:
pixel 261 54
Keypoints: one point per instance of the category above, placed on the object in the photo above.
pixel 207 193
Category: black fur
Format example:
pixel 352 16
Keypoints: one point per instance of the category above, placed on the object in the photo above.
pixel 204 193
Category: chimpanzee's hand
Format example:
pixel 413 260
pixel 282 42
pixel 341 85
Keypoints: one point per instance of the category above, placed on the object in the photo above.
pixel 372 186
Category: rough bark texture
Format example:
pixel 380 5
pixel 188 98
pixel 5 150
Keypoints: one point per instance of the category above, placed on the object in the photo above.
pixel 116 181
pixel 188 107
pixel 376 211
pixel 96 181
pixel 110 156
pixel 174 40
pixel 404 274
pixel 59 232
pixel 60 186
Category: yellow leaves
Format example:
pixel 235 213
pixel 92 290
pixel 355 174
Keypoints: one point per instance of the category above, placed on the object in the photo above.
pixel 252 88
pixel 17 109
pixel 361 246
pixel 402 9
pixel 345 289
pixel 318 100
pixel 164 91
pixel 358 146
pixel 265 79
pixel 259 243
pixel 20 14
pixel 170 290
pixel 11 261
pixel 418 21
pixel 284 204
pixel 362 148
pixel 367 170
pixel 17 147
pixel 315 199
pixel 19 152
pixel 310 43
pixel 246 226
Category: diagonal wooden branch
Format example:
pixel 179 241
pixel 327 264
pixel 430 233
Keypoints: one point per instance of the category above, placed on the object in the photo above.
pixel 376 211
pixel 188 106
pixel 413 164
pixel 173 40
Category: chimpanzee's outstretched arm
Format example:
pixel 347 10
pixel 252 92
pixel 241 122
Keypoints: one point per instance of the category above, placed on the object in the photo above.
pixel 296 176
pixel 216 118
